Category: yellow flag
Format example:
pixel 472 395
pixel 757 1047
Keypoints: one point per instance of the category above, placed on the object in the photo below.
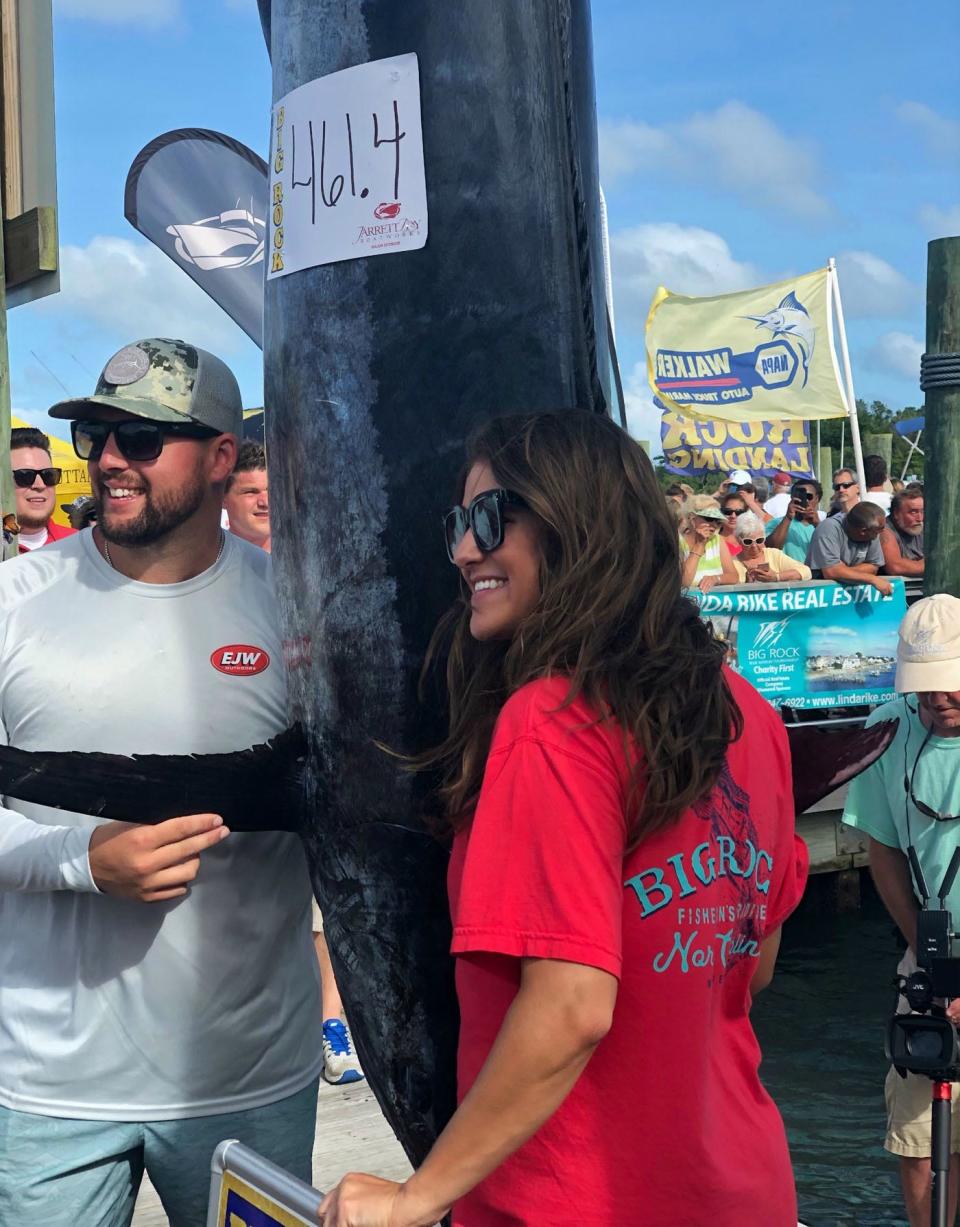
pixel 754 356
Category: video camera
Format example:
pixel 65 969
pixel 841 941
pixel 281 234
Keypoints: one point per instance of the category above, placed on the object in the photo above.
pixel 926 1042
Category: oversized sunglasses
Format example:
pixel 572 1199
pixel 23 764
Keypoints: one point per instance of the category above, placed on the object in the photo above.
pixel 484 518
pixel 752 540
pixel 843 485
pixel 24 478
pixel 908 788
pixel 136 438
pixel 732 511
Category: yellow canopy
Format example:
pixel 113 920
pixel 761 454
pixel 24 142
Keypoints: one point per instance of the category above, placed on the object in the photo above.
pixel 75 480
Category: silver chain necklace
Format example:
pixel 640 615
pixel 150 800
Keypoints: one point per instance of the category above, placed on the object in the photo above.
pixel 113 565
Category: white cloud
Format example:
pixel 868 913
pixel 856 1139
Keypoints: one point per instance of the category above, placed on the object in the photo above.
pixel 898 353
pixel 871 286
pixel 643 417
pixel 150 13
pixel 131 290
pixel 734 146
pixel 687 259
pixel 940 223
pixel 941 135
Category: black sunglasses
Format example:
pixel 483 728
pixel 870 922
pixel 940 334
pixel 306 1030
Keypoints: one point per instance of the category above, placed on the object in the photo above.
pixel 908 788
pixel 24 478
pixel 137 438
pixel 732 511
pixel 484 518
pixel 843 485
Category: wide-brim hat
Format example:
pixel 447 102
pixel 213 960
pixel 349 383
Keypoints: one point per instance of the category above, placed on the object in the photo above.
pixel 928 650
pixel 164 380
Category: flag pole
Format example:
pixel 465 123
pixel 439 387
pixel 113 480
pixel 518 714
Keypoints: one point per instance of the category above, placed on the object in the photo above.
pixel 847 377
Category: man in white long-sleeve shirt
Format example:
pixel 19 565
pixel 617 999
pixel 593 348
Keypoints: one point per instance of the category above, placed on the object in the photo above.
pixel 158 988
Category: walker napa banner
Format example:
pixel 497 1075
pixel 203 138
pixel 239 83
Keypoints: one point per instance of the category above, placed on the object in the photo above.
pixel 810 645
pixel 692 448
pixel 759 355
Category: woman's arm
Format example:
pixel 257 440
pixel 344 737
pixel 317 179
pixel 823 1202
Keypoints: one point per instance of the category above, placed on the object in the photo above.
pixel 559 1016
pixel 688 566
pixel 729 575
pixel 769 950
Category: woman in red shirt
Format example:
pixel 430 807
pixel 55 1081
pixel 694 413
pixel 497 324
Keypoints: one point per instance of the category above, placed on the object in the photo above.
pixel 623 859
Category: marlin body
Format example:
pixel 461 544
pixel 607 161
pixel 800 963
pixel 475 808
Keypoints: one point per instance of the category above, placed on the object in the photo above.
pixel 791 319
pixel 376 369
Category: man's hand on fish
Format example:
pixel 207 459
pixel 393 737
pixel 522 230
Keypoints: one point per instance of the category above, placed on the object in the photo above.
pixel 360 1200
pixel 152 863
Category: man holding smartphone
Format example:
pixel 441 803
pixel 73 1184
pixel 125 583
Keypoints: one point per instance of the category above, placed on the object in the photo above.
pixel 794 531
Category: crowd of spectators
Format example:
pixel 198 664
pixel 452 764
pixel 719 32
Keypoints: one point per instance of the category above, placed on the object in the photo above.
pixel 754 532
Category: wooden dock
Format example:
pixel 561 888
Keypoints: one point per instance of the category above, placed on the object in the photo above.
pixel 833 846
pixel 351 1136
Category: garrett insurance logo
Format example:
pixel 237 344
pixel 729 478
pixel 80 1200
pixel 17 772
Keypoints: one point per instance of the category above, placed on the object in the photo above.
pixel 240 660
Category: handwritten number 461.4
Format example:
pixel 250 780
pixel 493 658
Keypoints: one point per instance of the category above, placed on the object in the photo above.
pixel 331 193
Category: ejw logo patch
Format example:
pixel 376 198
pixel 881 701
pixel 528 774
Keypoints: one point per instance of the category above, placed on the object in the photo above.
pixel 240 659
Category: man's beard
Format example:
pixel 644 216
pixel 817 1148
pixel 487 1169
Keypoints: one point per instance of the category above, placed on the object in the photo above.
pixel 915 531
pixel 159 517
pixel 33 523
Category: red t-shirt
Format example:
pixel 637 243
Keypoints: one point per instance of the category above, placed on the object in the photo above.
pixel 55 532
pixel 669 1124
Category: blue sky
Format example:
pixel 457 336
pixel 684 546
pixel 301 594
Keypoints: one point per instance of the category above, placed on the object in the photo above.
pixel 739 145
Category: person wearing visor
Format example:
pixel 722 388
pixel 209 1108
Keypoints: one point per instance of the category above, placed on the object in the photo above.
pixel 158 986
pixel 35 480
pixel 705 559
pixel 910 797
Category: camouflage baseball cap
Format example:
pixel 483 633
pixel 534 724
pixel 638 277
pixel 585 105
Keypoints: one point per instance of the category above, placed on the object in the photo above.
pixel 165 381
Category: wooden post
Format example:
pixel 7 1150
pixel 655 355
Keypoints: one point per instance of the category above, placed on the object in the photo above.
pixel 941 434
pixel 825 470
pixel 880 445
pixel 7 498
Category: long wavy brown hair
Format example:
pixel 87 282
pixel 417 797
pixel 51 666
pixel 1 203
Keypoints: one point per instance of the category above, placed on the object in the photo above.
pixel 611 617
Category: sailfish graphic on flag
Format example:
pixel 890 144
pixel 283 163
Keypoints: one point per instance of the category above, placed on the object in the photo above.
pixel 791 319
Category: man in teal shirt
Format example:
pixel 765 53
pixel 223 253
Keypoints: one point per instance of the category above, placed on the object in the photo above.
pixel 794 531
pixel 911 797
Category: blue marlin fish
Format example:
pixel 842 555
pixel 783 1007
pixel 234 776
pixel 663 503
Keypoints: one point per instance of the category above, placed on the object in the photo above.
pixel 791 319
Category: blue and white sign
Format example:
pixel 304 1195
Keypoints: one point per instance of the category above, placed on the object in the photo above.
pixel 811 645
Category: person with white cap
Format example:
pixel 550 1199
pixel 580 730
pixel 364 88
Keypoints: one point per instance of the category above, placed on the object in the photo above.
pixel 910 797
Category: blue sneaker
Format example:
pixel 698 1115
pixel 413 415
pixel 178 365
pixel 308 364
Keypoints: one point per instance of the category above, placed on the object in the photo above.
pixel 340 1064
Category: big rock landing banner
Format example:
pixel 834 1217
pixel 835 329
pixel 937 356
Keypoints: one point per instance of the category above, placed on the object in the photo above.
pixel 692 448
pixel 754 356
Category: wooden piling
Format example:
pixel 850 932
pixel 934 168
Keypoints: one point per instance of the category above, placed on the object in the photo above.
pixel 7 497
pixel 941 438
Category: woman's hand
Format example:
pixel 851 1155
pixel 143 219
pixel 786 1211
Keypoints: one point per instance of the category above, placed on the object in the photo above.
pixel 360 1200
pixel 708 582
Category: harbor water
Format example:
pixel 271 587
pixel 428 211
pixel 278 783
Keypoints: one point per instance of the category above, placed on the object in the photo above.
pixel 821 1026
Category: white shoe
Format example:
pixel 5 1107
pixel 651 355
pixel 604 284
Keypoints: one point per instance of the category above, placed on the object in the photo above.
pixel 340 1064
